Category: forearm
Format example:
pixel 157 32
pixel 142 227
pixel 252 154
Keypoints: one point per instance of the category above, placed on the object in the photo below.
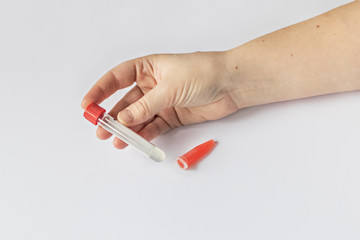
pixel 314 57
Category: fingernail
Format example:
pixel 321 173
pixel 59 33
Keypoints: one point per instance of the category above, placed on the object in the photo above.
pixel 125 116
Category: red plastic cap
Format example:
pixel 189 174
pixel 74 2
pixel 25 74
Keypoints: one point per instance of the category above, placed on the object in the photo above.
pixel 190 158
pixel 93 112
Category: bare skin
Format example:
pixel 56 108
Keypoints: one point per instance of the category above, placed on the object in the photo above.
pixel 315 57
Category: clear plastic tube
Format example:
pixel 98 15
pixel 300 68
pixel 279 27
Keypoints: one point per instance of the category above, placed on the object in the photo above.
pixel 130 137
pixel 97 115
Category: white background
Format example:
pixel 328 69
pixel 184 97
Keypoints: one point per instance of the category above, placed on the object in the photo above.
pixel 280 171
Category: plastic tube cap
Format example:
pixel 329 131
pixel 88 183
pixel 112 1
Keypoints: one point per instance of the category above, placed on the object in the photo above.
pixel 93 112
pixel 190 158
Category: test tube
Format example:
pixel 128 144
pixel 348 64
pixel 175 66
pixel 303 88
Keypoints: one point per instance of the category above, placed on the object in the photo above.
pixel 97 115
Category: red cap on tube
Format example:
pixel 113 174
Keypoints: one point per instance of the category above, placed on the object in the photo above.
pixel 93 112
pixel 195 154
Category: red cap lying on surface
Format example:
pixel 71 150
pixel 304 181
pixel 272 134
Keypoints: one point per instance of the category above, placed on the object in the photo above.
pixel 190 158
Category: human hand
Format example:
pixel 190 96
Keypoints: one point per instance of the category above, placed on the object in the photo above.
pixel 315 57
pixel 171 90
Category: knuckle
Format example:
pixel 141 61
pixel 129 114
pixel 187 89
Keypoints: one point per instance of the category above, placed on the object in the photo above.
pixel 142 107
pixel 153 131
pixel 157 128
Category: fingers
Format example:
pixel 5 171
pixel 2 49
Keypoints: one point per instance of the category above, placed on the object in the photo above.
pixel 102 133
pixel 132 96
pixel 151 130
pixel 155 128
pixel 117 78
pixel 145 108
pixel 119 144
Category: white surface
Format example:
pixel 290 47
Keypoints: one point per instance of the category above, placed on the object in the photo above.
pixel 281 171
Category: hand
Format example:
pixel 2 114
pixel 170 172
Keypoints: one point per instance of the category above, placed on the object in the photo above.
pixel 171 90
pixel 314 57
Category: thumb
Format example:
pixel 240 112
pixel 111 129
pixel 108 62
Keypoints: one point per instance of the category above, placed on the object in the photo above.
pixel 143 109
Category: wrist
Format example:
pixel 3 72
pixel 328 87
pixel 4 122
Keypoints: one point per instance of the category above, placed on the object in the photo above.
pixel 250 83
pixel 315 57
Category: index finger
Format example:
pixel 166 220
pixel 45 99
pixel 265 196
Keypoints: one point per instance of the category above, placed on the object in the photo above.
pixel 119 77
